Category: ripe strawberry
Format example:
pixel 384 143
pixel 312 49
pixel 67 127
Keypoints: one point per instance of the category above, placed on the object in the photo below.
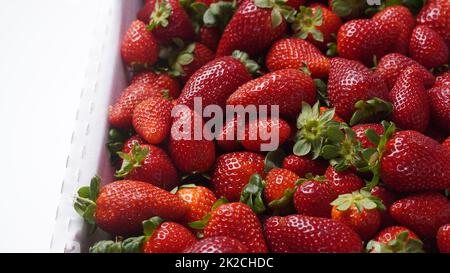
pixel 313 197
pixel 443 239
pixel 360 211
pixel 233 171
pixel 392 65
pixel 301 165
pixel 199 199
pixel 388 198
pixel 296 53
pixel 218 244
pixel 162 81
pixel 167 20
pixel 427 47
pixel 349 82
pixel 395 239
pixel 435 15
pixel 120 207
pixel 405 165
pixel 229 220
pixel 190 60
pixel 303 234
pixel 189 154
pixel 130 142
pixel 264 134
pixel 286 88
pixel 139 48
pixel 209 36
pixel 403 19
pixel 279 189
pixel 360 130
pixel 228 139
pixel 424 213
pixel 439 97
pixel 443 80
pixel 343 182
pixel 446 143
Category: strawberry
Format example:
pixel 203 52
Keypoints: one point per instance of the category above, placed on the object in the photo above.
pixel 313 197
pixel 359 210
pixel 395 239
pixel 343 182
pixel 446 143
pixel 360 130
pixel 301 165
pixel 265 134
pixel 120 207
pixel 427 47
pixel 296 53
pixel 303 234
pixel 189 154
pixel 435 15
pixel 403 19
pixel 199 199
pixel 228 138
pixel 439 97
pixel 218 244
pixel 162 81
pixel 151 119
pixel 443 80
pixel 229 220
pixel 349 82
pixel 190 60
pixel 443 239
pixel 233 171
pixel 150 164
pixel 392 65
pixel 279 189
pixel 217 80
pixel 286 88
pixel 424 213
pixel 139 48
pixel 209 36
pixel 387 197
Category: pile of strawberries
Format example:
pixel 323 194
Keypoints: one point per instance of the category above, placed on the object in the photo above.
pixel 363 163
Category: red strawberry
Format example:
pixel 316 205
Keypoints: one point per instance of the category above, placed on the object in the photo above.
pixel 120 207
pixel 313 197
pixel 279 188
pixel 296 53
pixel 427 47
pixel 190 154
pixel 388 198
pixel 424 213
pixel 343 182
pixel 439 97
pixel 360 211
pixel 443 239
pixel 443 80
pixel 301 165
pixel 253 28
pixel 233 171
pixel 360 130
pixel 392 65
pixel 162 81
pixel 190 60
pixel 139 48
pixel 408 96
pixel 230 219
pixel 349 82
pixel 228 136
pixel 218 244
pixel 286 88
pixel 404 21
pixel 209 36
pixel 199 199
pixel 128 145
pixel 303 234
pixel 395 239
pixel 436 15
pixel 265 134
pixel 446 143
pixel 405 165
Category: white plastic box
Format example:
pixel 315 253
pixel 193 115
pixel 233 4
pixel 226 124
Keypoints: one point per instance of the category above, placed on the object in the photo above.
pixel 106 77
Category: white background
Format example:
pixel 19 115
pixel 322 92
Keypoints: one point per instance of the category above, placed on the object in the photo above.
pixel 44 49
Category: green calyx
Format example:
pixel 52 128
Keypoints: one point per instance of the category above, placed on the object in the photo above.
pixel 85 202
pixel 132 160
pixel 219 14
pixel 195 10
pixel 285 204
pixel 251 65
pixel 311 177
pixel 306 23
pixel 371 110
pixel 312 128
pixel 332 49
pixel 274 160
pixel 322 94
pixel 116 139
pixel 200 224
pixel 361 199
pixel 252 194
pixel 185 57
pixel 401 244
pixel 280 10
pixel 160 15
pixel 348 8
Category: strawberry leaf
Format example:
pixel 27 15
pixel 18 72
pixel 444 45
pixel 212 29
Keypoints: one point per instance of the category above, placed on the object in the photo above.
pixel 252 194
pixel 274 159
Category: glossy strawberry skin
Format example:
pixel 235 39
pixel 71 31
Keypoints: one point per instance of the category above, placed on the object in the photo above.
pixel 443 239
pixel 229 220
pixel 202 55
pixel 343 182
pixel 366 223
pixel 295 53
pixel 169 237
pixel 128 145
pixel 387 197
pixel 405 165
pixel 446 143
pixel 256 131
pixel 199 199
pixel 303 234
pixel 286 88
pixel 329 27
pixel 162 81
pixel 427 47
pixel 436 15
pixel 424 213
pixel 439 102
pixel 277 181
pixel 218 244
pixel 301 165
pixel 360 130
pixel 215 82
pixel 250 30
pixel 139 46
pixel 123 205
pixel 233 171
pixel 390 233
pixel 209 36
pixel 313 198
pixel 228 138
pixel 349 82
